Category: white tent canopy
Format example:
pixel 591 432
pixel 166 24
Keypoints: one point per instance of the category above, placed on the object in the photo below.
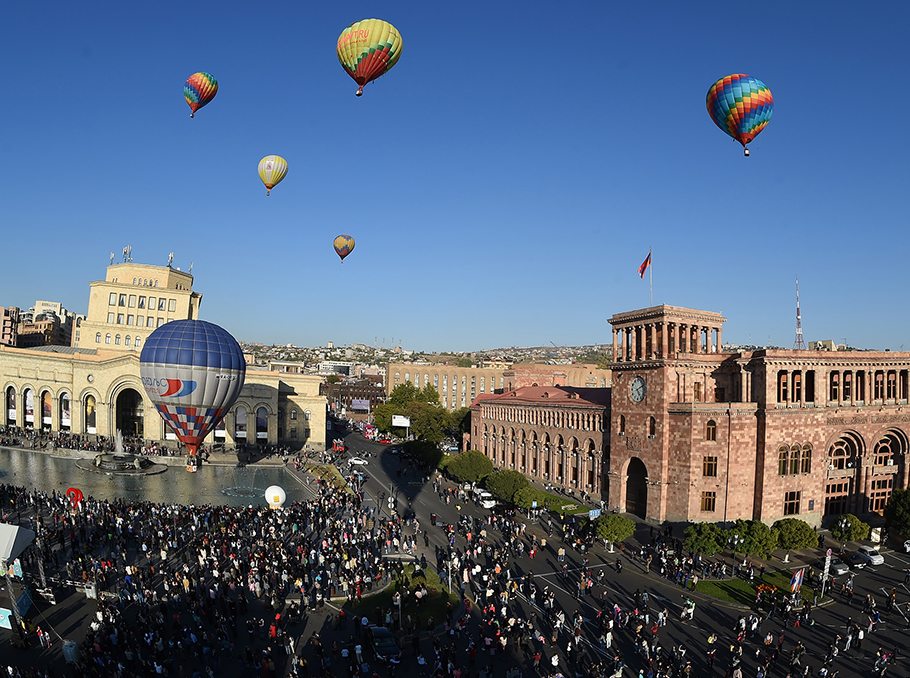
pixel 13 541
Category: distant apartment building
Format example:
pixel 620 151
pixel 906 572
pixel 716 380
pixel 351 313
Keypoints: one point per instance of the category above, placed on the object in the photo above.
pixel 355 396
pixel 9 325
pixel 459 386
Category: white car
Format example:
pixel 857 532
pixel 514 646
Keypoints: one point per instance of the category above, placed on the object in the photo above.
pixel 907 546
pixel 357 461
pixel 869 555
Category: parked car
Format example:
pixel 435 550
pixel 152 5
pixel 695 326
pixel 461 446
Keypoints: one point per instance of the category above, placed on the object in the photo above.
pixel 384 645
pixel 838 566
pixel 869 555
pixel 907 546
pixel 357 461
pixel 857 562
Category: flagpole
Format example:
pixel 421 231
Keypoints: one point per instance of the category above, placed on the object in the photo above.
pixel 651 275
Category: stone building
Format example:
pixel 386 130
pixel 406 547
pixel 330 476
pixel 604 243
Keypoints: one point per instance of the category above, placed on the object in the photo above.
pixel 701 435
pixel 94 388
pixel 555 434
pixel 9 325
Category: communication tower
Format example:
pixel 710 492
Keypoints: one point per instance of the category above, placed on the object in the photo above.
pixel 799 344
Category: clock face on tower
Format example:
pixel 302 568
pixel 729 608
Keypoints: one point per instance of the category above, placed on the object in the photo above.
pixel 637 389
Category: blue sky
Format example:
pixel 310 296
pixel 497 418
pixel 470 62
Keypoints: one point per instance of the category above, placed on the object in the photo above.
pixel 503 182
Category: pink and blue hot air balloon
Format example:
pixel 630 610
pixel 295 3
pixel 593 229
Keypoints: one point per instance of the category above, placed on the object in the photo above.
pixel 193 372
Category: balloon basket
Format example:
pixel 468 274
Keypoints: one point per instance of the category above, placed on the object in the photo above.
pixel 746 152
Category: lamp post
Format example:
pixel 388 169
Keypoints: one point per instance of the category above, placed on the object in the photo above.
pixel 736 540
pixel 843 524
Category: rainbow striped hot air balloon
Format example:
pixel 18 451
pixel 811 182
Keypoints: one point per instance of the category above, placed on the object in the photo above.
pixel 272 169
pixel 741 106
pixel 368 49
pixel 200 88
pixel 193 372
pixel 344 245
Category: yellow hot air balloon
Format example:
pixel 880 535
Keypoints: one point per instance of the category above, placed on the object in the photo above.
pixel 368 49
pixel 343 246
pixel 272 169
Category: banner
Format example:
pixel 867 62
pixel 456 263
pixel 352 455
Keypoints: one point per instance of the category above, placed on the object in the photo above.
pixel 360 404
pixel 403 422
pixel 796 580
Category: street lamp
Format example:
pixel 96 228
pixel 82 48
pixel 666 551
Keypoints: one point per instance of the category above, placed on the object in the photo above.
pixel 842 526
pixel 736 540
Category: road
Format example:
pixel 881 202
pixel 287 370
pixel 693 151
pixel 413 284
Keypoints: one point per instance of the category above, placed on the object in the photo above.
pixel 387 474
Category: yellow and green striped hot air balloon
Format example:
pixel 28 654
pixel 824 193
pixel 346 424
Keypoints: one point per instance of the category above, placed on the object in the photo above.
pixel 272 169
pixel 368 49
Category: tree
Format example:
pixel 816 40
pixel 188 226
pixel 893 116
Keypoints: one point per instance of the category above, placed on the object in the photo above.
pixel 403 394
pixel 526 497
pixel 794 534
pixel 704 538
pixel 470 467
pixel 614 527
pixel 458 422
pixel 425 452
pixel 897 513
pixel 332 379
pixel 758 539
pixel 849 528
pixel 505 484
pixel 465 362
pixel 427 421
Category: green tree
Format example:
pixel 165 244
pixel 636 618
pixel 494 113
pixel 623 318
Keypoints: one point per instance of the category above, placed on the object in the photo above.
pixel 403 394
pixel 758 538
pixel 704 538
pixel 428 394
pixel 427 421
pixel 332 379
pixel 897 513
pixel 849 528
pixel 470 467
pixel 465 362
pixel 458 422
pixel 526 497
pixel 425 451
pixel 613 527
pixel 505 484
pixel 794 534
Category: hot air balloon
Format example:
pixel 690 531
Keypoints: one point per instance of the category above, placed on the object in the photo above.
pixel 275 496
pixel 344 245
pixel 368 49
pixel 272 169
pixel 193 372
pixel 741 106
pixel 200 88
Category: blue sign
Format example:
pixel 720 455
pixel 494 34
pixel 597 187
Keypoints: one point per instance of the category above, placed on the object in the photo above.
pixel 594 513
pixel 24 602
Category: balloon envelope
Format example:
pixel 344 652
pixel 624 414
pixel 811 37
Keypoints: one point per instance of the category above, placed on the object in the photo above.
pixel 272 169
pixel 367 49
pixel 200 88
pixel 193 372
pixel 275 496
pixel 344 244
pixel 740 105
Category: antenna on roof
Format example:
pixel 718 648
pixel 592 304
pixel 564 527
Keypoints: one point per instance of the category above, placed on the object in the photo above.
pixel 798 344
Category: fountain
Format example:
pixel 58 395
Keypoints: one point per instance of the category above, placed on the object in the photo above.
pixel 121 463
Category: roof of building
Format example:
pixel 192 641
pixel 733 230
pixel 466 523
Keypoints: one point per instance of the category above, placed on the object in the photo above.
pixel 554 395
pixel 69 350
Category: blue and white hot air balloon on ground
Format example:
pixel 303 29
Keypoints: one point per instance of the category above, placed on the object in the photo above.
pixel 193 372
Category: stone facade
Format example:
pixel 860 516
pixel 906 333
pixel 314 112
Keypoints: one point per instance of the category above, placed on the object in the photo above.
pixel 554 434
pixel 701 435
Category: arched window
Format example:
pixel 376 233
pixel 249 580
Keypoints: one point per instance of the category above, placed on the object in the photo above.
pixel 711 430
pixel 107 338
pixel 622 424
pixel 794 460
pixel 807 458
pixel 306 415
pixel 240 423
pixel 652 427
pixel 117 340
pixel 783 455
pixel 127 340
pixel 89 414
pixel 138 342
pixel 98 337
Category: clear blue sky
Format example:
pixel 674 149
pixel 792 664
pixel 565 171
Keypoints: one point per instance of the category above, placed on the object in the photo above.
pixel 503 182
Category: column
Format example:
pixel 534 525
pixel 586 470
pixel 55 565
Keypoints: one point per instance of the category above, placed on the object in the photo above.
pixel 683 343
pixel 719 342
pixel 708 342
pixel 652 332
pixel 664 340
pixel 632 348
pixel 615 347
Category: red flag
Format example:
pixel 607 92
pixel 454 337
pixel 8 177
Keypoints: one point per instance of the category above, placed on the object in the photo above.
pixel 644 266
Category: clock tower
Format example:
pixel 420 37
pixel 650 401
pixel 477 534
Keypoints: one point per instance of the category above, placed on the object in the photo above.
pixel 661 356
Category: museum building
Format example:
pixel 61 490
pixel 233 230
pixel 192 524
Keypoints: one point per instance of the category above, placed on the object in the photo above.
pixel 94 388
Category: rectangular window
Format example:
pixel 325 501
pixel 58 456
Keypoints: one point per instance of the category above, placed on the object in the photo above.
pixel 162 303
pixel 160 322
pixel 119 318
pixel 151 303
pixel 149 321
pixel 141 302
pixel 698 391
pixel 122 300
pixel 129 320
pixel 171 305
pixel 848 386
pixel 791 504
pixel 132 301
pixel 782 382
pixel 708 501
pixel 113 299
pixel 879 385
pixel 834 395
pixel 709 467
pixel 140 321
pixel 719 395
pixel 110 317
pixel 293 433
